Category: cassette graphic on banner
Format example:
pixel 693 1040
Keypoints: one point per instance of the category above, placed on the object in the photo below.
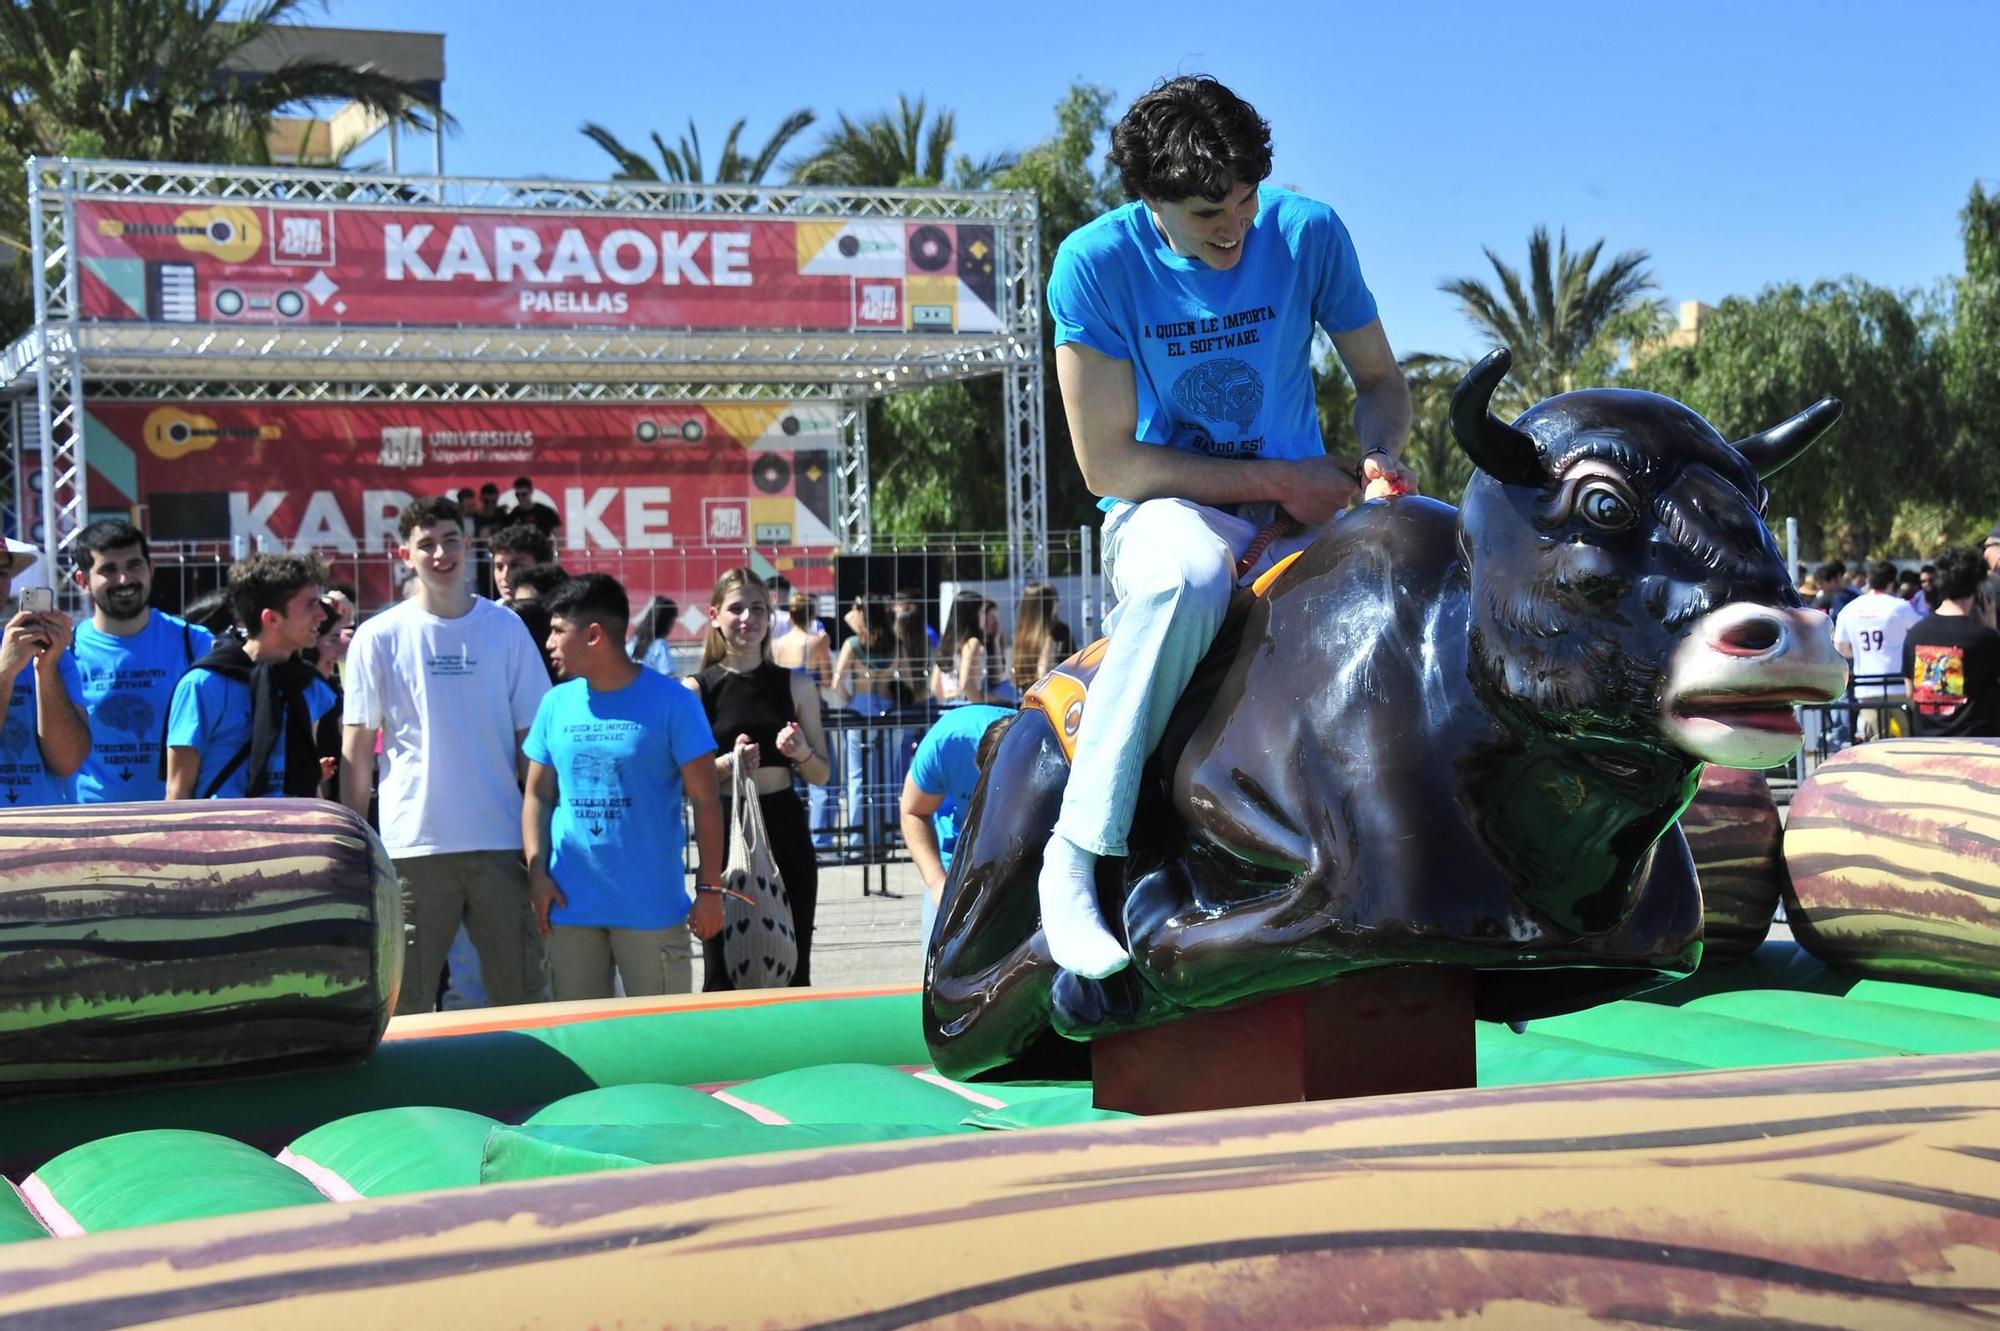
pixel 332 477
pixel 164 261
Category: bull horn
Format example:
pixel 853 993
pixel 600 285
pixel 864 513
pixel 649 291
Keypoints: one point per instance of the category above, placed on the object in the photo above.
pixel 1770 451
pixel 1506 454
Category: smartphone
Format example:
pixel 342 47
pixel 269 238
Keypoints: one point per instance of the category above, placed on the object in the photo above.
pixel 38 600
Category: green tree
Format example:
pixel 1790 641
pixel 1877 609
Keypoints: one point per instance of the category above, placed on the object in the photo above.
pixel 1568 321
pixel 1759 361
pixel 1433 453
pixel 934 453
pixel 1971 461
pixel 683 163
pixel 151 80
pixel 896 149
pixel 1441 466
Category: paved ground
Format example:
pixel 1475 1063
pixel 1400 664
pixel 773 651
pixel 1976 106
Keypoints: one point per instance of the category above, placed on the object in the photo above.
pixel 867 939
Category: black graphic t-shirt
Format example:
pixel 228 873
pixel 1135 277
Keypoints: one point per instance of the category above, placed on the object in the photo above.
pixel 1953 663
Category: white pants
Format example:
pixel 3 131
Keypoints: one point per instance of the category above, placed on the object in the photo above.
pixel 1172 565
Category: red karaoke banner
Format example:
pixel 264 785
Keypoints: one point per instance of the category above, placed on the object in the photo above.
pixel 234 263
pixel 629 477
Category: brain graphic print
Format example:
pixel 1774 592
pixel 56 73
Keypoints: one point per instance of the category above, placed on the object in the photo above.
pixel 1224 389
pixel 127 712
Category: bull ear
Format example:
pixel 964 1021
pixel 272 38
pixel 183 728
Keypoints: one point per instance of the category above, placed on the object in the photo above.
pixel 1506 454
pixel 1770 451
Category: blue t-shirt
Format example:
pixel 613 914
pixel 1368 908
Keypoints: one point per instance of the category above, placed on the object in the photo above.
pixel 945 765
pixel 212 713
pixel 23 778
pixel 1221 358
pixel 128 684
pixel 615 835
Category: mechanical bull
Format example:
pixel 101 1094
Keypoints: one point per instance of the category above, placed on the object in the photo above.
pixel 1442 737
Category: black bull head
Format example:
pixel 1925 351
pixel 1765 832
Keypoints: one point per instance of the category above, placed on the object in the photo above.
pixel 1450 737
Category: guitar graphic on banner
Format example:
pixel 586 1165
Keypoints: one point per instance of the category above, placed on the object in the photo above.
pixel 230 234
pixel 171 433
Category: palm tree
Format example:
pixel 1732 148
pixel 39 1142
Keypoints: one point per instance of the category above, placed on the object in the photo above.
pixel 151 80
pixel 894 149
pixel 1442 468
pixel 684 164
pixel 1566 323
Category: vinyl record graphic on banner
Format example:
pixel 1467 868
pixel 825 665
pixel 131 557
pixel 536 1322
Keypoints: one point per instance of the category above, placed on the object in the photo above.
pixel 930 249
pixel 770 473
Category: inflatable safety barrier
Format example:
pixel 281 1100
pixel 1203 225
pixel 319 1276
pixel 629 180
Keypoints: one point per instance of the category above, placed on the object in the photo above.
pixel 1856 1194
pixel 145 942
pixel 1894 857
pixel 1735 837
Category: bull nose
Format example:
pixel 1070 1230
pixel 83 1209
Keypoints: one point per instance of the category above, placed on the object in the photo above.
pixel 1762 630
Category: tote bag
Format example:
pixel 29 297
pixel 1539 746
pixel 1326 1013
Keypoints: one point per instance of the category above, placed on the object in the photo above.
pixel 758 945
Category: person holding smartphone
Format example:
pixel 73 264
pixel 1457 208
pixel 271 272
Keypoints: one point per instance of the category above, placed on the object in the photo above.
pixel 46 736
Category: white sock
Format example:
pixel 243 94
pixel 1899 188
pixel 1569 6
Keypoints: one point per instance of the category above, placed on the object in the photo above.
pixel 1071 922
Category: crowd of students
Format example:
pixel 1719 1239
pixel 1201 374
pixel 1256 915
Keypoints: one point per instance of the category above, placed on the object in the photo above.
pixel 526 769
pixel 1923 643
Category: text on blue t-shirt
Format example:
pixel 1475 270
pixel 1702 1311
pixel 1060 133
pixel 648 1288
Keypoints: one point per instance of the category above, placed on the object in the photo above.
pixel 128 685
pixel 23 777
pixel 1221 357
pixel 615 835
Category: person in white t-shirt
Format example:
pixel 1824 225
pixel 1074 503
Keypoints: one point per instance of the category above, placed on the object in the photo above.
pixel 451 682
pixel 1869 632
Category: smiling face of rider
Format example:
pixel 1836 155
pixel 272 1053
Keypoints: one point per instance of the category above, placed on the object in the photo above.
pixel 1210 230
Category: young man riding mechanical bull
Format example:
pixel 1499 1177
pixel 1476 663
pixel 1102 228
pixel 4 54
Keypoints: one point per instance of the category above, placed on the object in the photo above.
pixel 1445 737
pixel 1184 329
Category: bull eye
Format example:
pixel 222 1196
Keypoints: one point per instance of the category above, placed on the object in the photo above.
pixel 1606 506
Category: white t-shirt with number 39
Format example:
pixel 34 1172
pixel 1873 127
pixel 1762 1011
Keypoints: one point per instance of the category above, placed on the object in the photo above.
pixel 1870 630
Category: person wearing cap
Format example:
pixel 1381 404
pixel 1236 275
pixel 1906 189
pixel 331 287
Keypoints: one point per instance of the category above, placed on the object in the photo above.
pixel 46 736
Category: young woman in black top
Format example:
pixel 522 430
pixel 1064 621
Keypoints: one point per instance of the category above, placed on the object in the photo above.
pixel 766 718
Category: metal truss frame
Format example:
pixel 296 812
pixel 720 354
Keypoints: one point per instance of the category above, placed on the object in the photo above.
pixel 851 499
pixel 10 478
pixel 501 364
pixel 409 390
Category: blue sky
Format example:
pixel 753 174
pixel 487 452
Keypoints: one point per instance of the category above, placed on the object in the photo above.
pixel 1740 144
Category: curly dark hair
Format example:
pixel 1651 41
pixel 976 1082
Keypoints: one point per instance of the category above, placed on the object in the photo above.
pixel 1190 136
pixel 428 512
pixel 524 538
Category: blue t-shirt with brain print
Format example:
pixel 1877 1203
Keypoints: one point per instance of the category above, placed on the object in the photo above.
pixel 128 686
pixel 24 779
pixel 1221 358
